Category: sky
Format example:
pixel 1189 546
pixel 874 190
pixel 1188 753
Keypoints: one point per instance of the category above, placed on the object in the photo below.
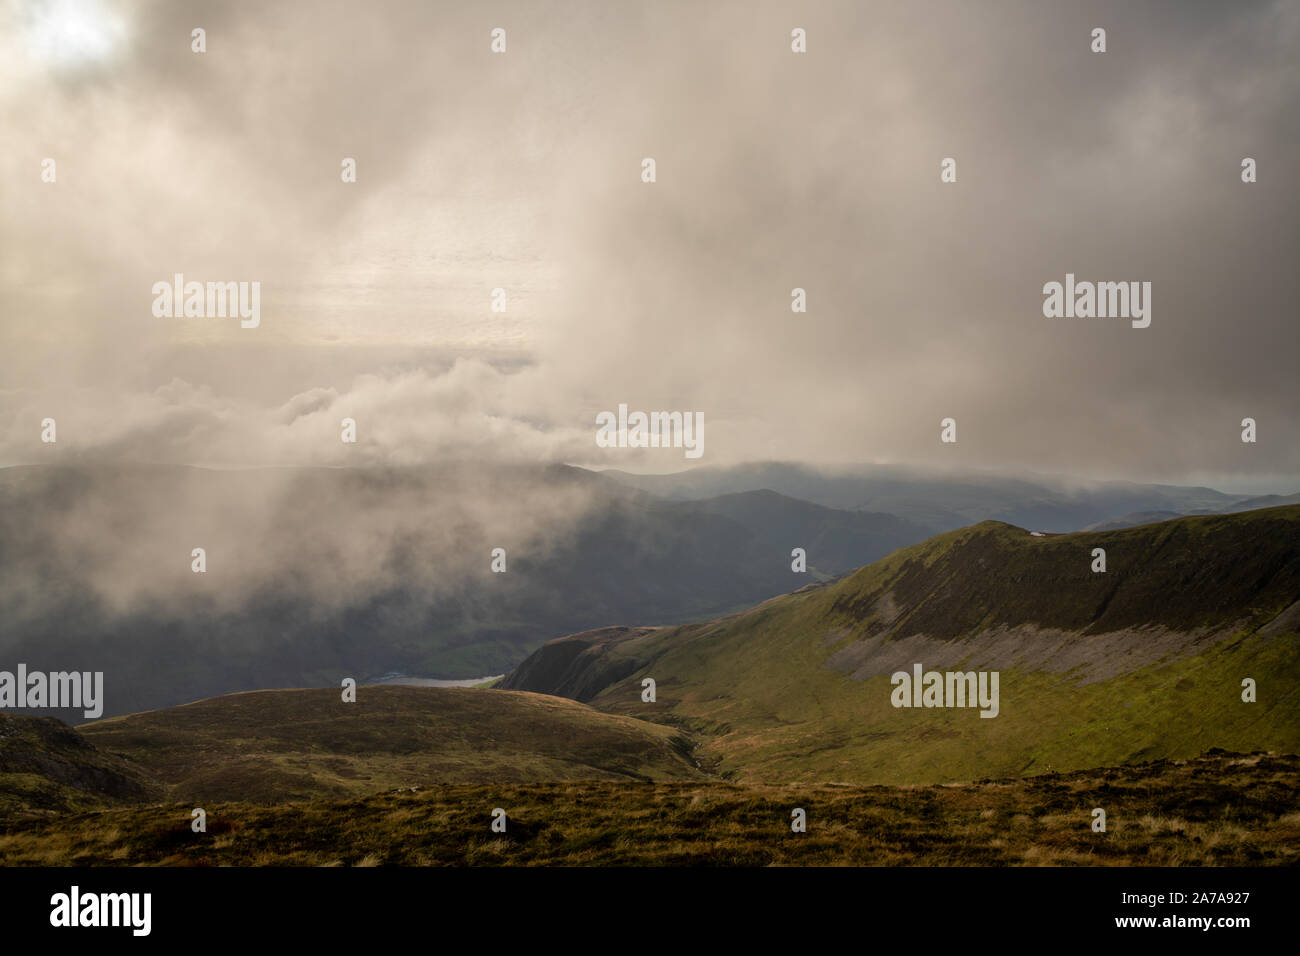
pixel 775 170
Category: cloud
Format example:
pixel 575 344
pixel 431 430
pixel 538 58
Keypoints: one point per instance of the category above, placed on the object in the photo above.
pixel 775 170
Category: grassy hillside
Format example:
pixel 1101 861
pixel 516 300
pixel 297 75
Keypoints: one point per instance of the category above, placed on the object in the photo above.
pixel 1217 810
pixel 1142 662
pixel 269 746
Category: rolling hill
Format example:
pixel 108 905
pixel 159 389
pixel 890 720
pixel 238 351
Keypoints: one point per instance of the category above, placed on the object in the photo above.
pixel 285 745
pixel 292 745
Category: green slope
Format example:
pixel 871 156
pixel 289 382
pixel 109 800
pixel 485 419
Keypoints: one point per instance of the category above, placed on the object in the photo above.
pixel 1142 662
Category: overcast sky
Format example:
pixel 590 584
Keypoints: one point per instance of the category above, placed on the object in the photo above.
pixel 775 170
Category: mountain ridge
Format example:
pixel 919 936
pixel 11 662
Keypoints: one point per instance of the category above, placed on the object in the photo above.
pixel 1142 661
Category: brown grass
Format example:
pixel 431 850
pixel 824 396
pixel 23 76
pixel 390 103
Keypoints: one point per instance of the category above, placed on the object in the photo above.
pixel 1215 810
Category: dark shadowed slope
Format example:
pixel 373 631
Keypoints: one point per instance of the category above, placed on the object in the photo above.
pixel 47 767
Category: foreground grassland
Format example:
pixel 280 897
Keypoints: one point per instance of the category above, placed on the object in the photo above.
pixel 1218 809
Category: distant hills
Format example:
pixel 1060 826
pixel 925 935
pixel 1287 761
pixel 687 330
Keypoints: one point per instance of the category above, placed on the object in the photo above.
pixel 943 501
pixel 1133 520
pixel 1143 661
pixel 1263 501
pixel 1150 517
pixel 316 574
pixel 313 575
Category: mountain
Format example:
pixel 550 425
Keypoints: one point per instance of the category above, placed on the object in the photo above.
pixel 315 574
pixel 940 500
pixel 1141 662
